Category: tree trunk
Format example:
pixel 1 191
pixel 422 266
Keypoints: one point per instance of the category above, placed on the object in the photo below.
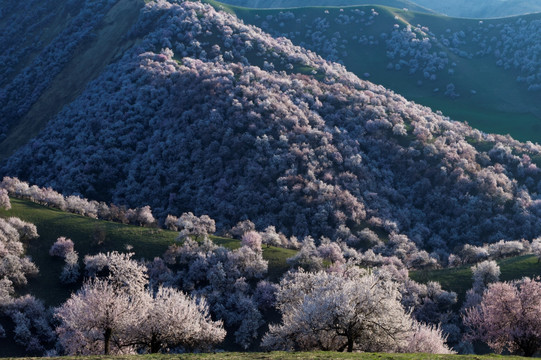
pixel 155 345
pixel 529 351
pixel 350 344
pixel 107 340
pixel 528 346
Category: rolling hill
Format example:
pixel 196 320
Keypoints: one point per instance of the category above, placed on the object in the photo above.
pixel 269 4
pixel 482 8
pixel 146 243
pixel 207 114
pixel 486 73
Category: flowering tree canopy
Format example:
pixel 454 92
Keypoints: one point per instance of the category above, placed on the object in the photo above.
pixel 508 317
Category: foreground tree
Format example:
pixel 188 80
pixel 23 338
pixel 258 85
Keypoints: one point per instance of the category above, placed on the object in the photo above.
pixel 508 317
pixel 427 339
pixel 103 318
pixel 97 319
pixel 173 319
pixel 340 312
pixel 124 273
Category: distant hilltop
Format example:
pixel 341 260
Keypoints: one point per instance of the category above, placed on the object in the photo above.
pixel 456 8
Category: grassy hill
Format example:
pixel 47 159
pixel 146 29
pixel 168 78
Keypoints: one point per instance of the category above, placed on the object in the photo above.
pixel 456 8
pixel 482 8
pixel 269 4
pixel 489 97
pixel 459 279
pixel 85 232
pixel 148 243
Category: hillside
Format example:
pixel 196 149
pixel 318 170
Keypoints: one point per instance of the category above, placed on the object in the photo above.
pixel 92 236
pixel 485 73
pixel 209 115
pixel 267 4
pixel 482 8
pixel 50 50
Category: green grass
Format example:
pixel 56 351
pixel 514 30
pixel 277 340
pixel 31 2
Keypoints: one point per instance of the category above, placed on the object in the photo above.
pixel 146 242
pixel 499 105
pixel 267 4
pixel 459 279
pixel 296 356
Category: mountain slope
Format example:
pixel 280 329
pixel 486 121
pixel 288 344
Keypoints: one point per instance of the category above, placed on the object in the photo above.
pixel 52 50
pixel 485 73
pixel 209 115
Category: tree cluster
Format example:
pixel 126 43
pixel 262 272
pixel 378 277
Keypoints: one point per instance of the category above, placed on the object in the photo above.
pixel 349 311
pixel 104 318
pixel 46 196
pixel 226 278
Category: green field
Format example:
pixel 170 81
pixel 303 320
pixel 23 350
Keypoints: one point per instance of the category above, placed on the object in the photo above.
pixel 91 236
pixel 150 242
pixel 459 279
pixel 490 98
pixel 319 355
